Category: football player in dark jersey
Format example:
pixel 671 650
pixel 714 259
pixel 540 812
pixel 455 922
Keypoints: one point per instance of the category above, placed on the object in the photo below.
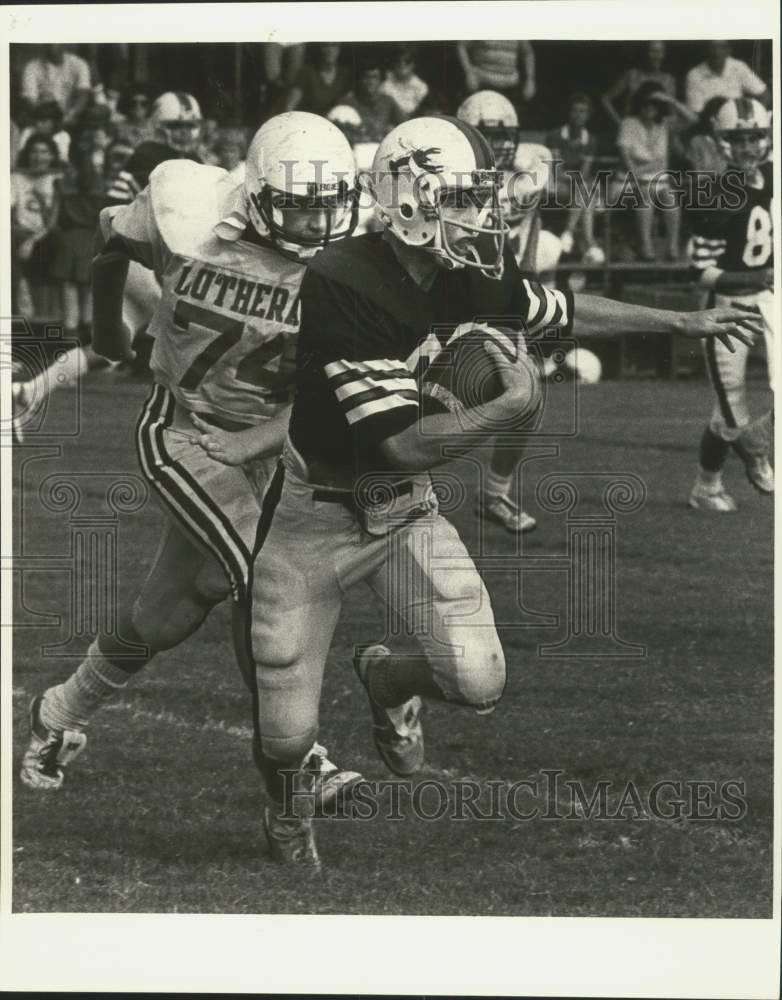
pixel 732 252
pixel 352 499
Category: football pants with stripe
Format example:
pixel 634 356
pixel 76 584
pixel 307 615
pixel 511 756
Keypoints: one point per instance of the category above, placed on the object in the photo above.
pixel 731 418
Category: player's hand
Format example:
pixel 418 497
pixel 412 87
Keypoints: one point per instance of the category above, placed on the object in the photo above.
pixel 227 447
pixel 737 321
pixel 521 381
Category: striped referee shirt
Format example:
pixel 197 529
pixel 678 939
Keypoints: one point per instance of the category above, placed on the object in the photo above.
pixel 367 332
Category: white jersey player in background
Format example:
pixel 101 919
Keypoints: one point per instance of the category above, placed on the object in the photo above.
pixel 229 259
pixel 526 168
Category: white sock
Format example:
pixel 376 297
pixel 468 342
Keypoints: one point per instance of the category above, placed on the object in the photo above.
pixel 71 705
pixel 497 485
pixel 710 479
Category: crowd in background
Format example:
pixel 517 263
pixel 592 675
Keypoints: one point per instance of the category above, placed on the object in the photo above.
pixel 77 118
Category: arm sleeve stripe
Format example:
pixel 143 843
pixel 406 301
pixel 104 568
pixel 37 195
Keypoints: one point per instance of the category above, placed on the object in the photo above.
pixel 536 303
pixel 352 375
pixel 387 385
pixel 397 401
pixel 389 365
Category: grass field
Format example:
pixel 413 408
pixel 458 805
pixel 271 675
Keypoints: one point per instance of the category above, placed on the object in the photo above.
pixel 162 812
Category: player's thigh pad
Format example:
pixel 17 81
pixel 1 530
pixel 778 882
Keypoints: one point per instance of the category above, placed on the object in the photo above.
pixel 184 583
pixel 727 372
pixel 296 600
pixel 429 579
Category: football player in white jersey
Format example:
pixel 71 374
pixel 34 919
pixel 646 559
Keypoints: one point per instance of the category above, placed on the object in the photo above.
pixel 230 260
pixel 732 253
pixel 525 168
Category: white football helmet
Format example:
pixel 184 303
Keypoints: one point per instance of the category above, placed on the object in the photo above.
pixel 300 161
pixel 495 117
pixel 527 182
pixel 348 121
pixel 423 168
pixel 176 117
pixel 742 127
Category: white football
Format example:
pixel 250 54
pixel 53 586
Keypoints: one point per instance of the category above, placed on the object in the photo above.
pixel 584 366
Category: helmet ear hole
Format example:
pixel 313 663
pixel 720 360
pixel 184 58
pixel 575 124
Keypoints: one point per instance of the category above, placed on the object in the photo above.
pixel 406 210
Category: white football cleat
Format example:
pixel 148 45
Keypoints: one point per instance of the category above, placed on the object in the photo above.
pixel 712 498
pixel 398 732
pixel 760 474
pixel 332 785
pixel 48 751
pixel 502 510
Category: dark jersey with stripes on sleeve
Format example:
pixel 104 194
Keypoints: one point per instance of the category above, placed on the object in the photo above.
pixel 739 238
pixel 365 328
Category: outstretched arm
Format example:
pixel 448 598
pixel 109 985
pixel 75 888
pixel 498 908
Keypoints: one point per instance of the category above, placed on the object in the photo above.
pixel 599 317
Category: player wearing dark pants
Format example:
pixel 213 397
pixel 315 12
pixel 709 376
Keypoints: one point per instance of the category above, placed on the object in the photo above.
pixel 732 252
pixel 352 501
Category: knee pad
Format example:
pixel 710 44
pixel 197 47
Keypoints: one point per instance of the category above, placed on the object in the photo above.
pixel 482 679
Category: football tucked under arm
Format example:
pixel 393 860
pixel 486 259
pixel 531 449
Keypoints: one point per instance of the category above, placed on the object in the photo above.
pixel 464 375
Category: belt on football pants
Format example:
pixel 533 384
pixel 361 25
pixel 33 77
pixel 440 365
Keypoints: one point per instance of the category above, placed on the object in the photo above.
pixel 348 498
pixel 223 423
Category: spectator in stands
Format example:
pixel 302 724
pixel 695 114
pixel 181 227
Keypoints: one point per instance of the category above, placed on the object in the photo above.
pixel 231 149
pixel 402 83
pixel 116 158
pixel 573 148
pixel 720 75
pixel 508 67
pixel 702 152
pixel 80 197
pixel 281 64
pixel 33 214
pixel 379 113
pixel 643 143
pixel 318 87
pixel 47 120
pixel 135 107
pixel 95 134
pixel 57 75
pixel 624 89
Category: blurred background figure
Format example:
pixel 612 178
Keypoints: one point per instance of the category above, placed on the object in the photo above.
pixel 57 75
pixel 702 152
pixel 379 113
pixel 720 75
pixel 80 195
pixel 643 144
pixel 281 63
pixel 495 118
pixel 506 66
pixel 573 148
pixel 230 150
pixel 618 98
pixel 33 216
pixel 401 82
pixel 47 120
pixel 136 127
pixel 320 85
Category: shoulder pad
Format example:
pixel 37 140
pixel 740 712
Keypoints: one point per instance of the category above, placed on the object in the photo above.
pixel 186 199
